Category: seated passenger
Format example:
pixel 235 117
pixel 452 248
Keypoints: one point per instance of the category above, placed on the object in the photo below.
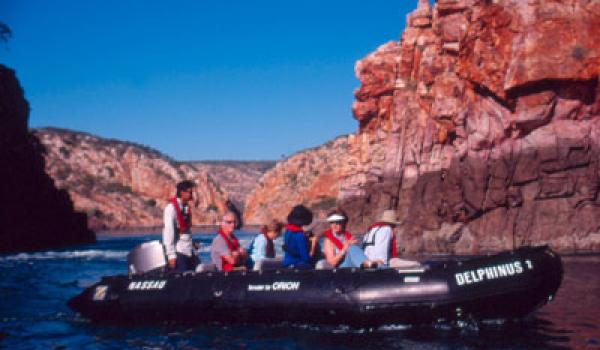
pixel 339 246
pixel 262 246
pixel 225 250
pixel 297 246
pixel 379 242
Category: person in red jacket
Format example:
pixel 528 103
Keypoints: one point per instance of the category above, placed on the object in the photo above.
pixel 225 250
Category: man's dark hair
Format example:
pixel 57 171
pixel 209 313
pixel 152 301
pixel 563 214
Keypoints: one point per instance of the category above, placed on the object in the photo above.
pixel 184 186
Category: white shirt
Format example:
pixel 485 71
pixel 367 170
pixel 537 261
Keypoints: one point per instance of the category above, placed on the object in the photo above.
pixel 173 242
pixel 377 243
pixel 259 248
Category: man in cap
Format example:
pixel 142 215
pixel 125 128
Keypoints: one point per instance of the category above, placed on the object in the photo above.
pixel 379 243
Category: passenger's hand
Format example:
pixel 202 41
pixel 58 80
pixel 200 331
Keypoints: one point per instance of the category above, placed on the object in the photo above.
pixel 313 241
pixel 347 245
pixel 172 262
pixel 352 241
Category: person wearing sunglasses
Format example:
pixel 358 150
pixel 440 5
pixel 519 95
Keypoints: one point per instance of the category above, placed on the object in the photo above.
pixel 340 247
pixel 225 250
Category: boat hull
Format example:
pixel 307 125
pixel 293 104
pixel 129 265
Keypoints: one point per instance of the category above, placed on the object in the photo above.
pixel 506 285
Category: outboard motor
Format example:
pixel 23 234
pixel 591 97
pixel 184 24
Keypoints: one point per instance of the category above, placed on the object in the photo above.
pixel 146 257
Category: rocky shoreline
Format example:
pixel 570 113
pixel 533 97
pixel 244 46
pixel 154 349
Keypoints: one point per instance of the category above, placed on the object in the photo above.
pixel 149 230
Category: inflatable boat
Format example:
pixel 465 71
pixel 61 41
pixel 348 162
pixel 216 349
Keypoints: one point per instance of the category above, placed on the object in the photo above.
pixel 506 285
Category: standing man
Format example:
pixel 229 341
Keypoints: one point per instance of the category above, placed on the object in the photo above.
pixel 177 234
pixel 225 250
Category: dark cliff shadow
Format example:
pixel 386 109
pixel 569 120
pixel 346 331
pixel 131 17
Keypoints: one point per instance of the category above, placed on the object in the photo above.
pixel 34 214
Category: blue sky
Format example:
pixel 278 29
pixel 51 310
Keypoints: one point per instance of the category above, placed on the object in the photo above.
pixel 197 79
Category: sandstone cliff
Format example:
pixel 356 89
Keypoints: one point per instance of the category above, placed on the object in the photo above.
pixel 34 214
pixel 237 178
pixel 122 184
pixel 481 127
pixel 311 177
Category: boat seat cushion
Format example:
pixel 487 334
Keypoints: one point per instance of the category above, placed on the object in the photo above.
pixel 268 264
pixel 206 267
pixel 398 263
pixel 323 265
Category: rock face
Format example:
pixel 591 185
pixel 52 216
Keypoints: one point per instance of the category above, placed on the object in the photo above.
pixel 121 184
pixel 238 178
pixel 34 213
pixel 311 177
pixel 481 127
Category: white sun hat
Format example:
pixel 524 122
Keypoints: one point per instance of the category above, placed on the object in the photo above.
pixel 336 218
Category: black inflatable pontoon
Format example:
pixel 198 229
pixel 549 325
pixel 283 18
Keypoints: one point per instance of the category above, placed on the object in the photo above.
pixel 502 286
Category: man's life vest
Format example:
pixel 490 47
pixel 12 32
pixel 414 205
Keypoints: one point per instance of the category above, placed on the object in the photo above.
pixel 393 249
pixel 329 235
pixel 184 220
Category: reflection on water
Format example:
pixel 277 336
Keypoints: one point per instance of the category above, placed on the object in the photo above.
pixel 35 287
pixel 573 319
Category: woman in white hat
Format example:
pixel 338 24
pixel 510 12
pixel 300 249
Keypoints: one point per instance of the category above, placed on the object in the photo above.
pixel 339 247
pixel 380 241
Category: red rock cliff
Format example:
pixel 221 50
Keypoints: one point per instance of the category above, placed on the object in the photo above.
pixel 121 184
pixel 311 177
pixel 481 127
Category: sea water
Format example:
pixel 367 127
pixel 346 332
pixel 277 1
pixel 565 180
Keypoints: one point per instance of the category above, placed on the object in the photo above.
pixel 34 289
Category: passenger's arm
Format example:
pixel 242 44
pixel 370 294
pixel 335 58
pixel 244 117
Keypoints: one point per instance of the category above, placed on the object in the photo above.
pixel 218 248
pixel 329 251
pixel 259 248
pixel 230 259
pixel 236 257
pixel 314 243
pixel 169 234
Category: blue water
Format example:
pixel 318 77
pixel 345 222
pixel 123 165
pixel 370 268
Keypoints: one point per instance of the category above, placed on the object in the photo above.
pixel 35 287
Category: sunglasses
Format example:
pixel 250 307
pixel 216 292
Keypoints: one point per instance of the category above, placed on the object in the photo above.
pixel 229 222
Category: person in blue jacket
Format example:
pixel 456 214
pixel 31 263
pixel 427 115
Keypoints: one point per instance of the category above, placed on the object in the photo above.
pixel 262 246
pixel 299 249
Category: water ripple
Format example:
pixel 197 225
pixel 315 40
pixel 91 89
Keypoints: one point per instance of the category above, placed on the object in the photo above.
pixel 75 254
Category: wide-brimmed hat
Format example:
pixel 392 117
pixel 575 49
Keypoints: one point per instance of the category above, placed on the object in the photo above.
pixel 300 216
pixel 390 217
